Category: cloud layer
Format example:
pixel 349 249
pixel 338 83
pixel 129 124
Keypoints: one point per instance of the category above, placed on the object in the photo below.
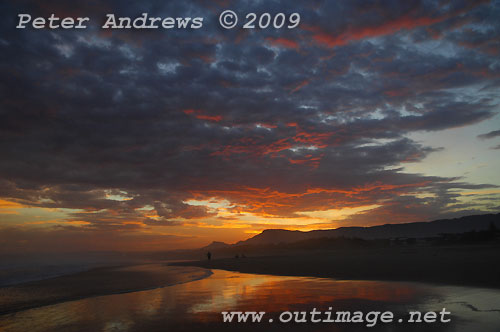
pixel 132 130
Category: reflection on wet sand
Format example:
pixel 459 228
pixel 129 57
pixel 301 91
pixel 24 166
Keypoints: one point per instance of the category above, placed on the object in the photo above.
pixel 197 305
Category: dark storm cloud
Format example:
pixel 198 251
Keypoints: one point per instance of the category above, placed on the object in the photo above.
pixel 491 134
pixel 168 116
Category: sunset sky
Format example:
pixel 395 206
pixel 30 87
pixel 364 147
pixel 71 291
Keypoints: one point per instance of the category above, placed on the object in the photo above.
pixel 369 112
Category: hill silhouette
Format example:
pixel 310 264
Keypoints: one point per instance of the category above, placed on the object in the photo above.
pixel 387 231
pixel 461 251
pixel 272 241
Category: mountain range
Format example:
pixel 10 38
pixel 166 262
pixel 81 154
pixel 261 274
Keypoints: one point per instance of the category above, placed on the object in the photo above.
pixel 409 230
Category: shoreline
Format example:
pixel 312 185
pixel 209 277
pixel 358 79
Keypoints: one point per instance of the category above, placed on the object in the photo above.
pixel 472 266
pixel 95 282
pixel 451 266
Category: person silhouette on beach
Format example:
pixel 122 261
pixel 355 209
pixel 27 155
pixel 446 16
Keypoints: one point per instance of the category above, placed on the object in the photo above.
pixel 209 255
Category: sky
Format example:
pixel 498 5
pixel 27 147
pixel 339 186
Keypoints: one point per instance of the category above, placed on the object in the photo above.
pixel 369 112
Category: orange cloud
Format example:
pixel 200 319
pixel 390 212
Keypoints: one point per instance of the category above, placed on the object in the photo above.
pixel 396 92
pixel 9 205
pixel 269 203
pixel 316 139
pixel 405 22
pixel 283 42
pixel 308 160
pixel 255 147
pixel 199 115
pixel 299 86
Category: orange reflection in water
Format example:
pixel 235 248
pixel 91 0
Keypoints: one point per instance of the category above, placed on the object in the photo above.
pixel 275 293
pixel 202 301
pixel 198 305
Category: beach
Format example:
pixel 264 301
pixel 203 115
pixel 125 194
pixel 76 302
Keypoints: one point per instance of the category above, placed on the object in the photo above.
pixel 197 306
pixel 191 295
pixel 98 281
pixel 454 265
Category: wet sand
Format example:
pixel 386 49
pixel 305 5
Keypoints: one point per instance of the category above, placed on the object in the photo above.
pixel 463 265
pixel 197 306
pixel 109 299
pixel 99 281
